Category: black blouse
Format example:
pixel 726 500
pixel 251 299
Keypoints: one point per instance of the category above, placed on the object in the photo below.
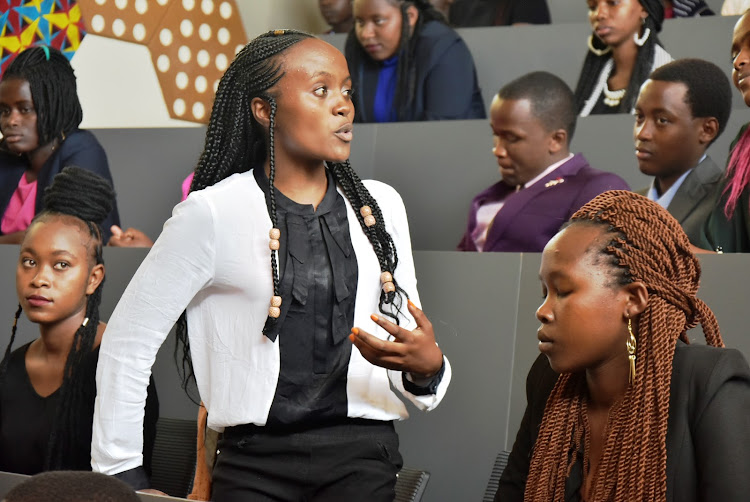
pixel 318 281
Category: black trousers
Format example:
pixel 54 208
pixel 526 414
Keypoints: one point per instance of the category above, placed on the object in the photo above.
pixel 352 461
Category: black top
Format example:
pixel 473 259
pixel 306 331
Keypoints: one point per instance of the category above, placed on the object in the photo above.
pixel 602 108
pixel 27 420
pixel 469 13
pixel 318 281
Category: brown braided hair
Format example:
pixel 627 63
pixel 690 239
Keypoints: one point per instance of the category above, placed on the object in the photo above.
pixel 647 245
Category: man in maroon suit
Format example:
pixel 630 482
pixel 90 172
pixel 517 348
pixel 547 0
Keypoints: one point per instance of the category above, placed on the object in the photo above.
pixel 533 119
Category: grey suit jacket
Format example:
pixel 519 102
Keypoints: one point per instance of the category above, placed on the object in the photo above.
pixel 696 197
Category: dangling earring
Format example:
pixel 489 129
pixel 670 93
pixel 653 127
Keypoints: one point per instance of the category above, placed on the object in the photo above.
pixel 631 343
pixel 639 41
pixel 597 52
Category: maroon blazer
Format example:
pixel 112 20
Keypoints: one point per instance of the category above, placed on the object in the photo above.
pixel 532 216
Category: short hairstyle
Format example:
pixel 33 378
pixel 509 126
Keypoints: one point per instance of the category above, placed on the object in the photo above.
pixel 72 486
pixel 709 93
pixel 552 101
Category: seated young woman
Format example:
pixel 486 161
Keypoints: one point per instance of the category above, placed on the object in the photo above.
pixel 623 50
pixel 39 118
pixel 620 406
pixel 47 387
pixel 407 64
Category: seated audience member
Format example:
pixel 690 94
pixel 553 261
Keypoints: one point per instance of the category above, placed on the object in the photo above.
pixel 623 50
pixel 39 118
pixel 619 405
pixel 47 387
pixel 681 109
pixel 407 64
pixel 533 119
pixel 686 8
pixel 728 227
pixel 469 13
pixel 72 486
pixel 338 15
pixel 734 7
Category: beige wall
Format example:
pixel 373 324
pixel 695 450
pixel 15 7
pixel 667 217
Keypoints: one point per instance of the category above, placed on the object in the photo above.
pixel 262 15
pixel 117 82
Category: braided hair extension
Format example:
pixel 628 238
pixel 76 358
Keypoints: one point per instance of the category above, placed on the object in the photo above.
pixel 53 91
pixel 382 243
pixel 647 245
pixel 593 65
pixel 86 199
pixel 235 142
pixel 406 71
pixel 252 74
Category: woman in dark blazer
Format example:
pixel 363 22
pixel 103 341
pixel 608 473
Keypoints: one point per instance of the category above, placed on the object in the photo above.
pixel 407 64
pixel 39 118
pixel 620 407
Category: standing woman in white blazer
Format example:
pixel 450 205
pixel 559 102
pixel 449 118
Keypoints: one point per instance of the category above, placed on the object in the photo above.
pixel 284 261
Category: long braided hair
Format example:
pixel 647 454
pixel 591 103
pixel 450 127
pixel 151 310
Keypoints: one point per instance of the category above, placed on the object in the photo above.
pixel 86 199
pixel 406 72
pixel 593 64
pixel 647 245
pixel 53 90
pixel 236 142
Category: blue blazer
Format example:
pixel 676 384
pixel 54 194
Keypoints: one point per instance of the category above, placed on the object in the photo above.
pixel 446 82
pixel 80 148
pixel 531 217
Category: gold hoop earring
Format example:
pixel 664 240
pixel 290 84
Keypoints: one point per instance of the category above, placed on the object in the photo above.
pixel 631 344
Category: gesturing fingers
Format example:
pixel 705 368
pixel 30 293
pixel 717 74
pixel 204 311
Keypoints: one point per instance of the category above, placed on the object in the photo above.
pixel 399 334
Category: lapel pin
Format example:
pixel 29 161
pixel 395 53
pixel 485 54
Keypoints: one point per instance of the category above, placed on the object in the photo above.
pixel 554 182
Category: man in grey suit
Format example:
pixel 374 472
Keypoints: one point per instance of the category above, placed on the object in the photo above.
pixel 681 109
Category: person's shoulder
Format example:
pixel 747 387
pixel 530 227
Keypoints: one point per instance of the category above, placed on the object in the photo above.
pixel 436 37
pixel 17 358
pixel 707 171
pixel 587 171
pixel 661 57
pixel 236 185
pixel 704 366
pixel 379 190
pixel 81 137
pixel 78 141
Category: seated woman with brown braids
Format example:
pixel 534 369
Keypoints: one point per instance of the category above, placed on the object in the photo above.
pixel 620 407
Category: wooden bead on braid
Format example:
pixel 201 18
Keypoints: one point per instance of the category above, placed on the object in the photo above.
pixel 386 278
pixel 366 213
pixel 274 310
pixel 273 244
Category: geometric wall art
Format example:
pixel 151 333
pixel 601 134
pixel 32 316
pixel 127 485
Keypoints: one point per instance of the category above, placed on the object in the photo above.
pixel 191 43
pixel 25 23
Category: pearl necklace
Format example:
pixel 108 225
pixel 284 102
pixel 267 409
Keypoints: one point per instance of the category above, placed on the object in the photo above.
pixel 613 98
